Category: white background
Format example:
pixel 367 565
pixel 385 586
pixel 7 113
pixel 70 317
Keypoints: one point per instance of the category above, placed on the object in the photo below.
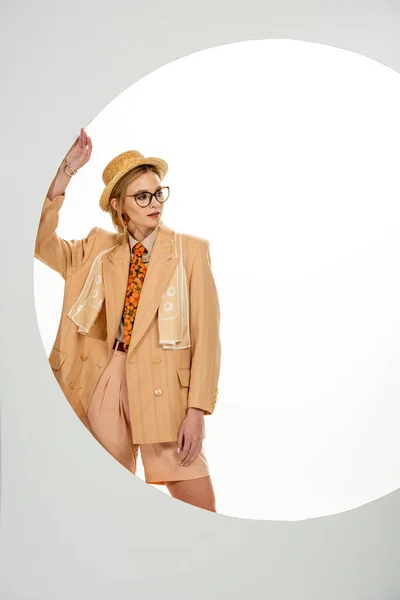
pixel 284 154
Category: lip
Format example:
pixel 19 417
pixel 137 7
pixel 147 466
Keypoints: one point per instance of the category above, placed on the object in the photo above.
pixel 154 215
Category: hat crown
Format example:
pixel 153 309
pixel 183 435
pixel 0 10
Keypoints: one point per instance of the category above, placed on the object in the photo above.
pixel 118 163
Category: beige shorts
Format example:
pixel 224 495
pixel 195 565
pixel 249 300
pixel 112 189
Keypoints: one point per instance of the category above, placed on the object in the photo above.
pixel 109 422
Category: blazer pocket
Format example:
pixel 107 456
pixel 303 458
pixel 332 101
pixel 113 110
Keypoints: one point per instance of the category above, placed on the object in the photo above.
pixel 184 377
pixel 56 358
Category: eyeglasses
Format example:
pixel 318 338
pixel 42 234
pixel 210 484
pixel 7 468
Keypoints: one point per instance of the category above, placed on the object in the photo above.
pixel 143 199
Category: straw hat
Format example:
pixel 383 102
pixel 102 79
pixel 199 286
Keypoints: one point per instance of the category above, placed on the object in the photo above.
pixel 120 165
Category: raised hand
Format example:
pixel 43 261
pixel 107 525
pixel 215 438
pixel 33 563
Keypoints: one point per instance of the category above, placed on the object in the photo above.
pixel 77 156
pixel 80 152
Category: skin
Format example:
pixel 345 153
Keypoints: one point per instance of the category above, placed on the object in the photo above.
pixel 198 492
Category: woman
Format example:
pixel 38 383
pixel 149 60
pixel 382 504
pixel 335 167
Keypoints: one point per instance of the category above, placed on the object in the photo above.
pixel 137 352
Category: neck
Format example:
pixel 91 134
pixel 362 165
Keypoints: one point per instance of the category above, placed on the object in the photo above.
pixel 139 232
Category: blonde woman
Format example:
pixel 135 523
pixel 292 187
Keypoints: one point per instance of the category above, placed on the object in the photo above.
pixel 137 351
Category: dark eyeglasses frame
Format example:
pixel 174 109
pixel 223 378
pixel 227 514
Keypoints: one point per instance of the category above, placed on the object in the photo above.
pixel 164 187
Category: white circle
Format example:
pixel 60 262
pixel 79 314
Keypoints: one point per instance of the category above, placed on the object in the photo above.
pixel 303 227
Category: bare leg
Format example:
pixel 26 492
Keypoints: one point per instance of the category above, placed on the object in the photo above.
pixel 199 492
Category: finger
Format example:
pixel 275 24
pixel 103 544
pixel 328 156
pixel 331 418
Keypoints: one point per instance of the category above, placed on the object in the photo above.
pixel 185 450
pixel 193 454
pixel 179 442
pixel 88 148
pixel 190 452
pixel 197 451
pixel 189 457
pixel 73 145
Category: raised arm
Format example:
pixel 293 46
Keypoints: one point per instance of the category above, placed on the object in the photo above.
pixel 64 256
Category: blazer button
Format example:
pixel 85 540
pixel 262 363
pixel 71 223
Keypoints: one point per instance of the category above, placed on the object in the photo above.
pixel 158 392
pixel 84 357
pixel 156 361
pixel 72 385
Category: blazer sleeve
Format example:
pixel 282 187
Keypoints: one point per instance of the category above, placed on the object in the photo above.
pixel 204 323
pixel 64 256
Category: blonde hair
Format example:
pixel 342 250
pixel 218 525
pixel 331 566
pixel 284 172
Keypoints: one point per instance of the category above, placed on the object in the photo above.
pixel 119 192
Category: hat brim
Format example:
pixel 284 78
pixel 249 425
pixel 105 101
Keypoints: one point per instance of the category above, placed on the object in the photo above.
pixel 128 166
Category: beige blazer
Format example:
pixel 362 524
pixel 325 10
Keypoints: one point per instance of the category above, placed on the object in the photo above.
pixel 186 377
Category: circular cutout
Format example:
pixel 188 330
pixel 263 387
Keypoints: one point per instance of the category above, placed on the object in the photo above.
pixel 281 153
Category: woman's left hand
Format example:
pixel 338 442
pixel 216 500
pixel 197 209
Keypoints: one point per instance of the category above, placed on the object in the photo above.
pixel 190 436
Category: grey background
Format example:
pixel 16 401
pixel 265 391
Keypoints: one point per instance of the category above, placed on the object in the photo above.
pixel 73 523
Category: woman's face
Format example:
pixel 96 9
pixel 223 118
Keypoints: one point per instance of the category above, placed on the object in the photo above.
pixel 139 216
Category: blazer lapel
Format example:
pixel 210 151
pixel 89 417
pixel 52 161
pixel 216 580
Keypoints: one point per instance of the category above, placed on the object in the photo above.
pixel 115 276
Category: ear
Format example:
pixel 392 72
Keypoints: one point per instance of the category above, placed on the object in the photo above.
pixel 113 203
